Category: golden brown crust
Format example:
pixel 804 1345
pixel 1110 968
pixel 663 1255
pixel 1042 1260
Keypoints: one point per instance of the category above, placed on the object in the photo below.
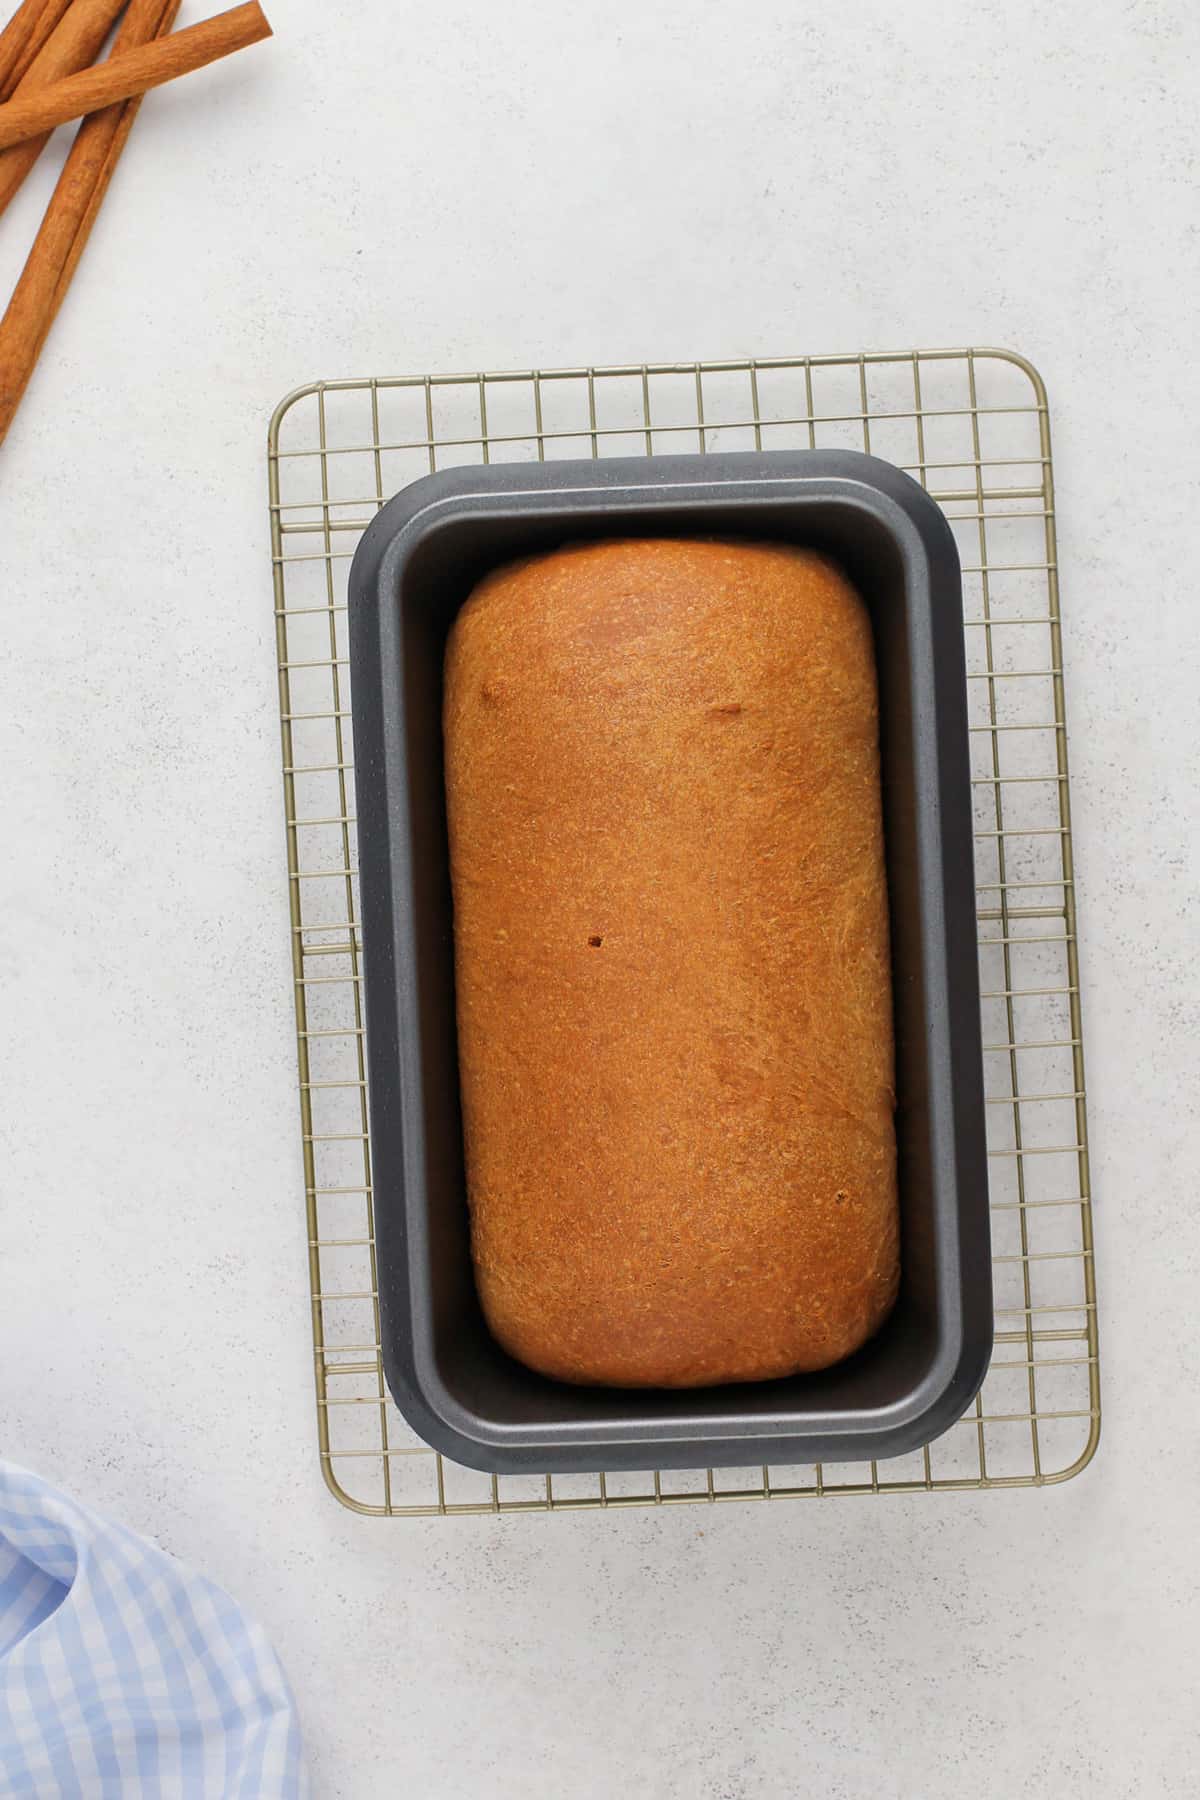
pixel 674 1000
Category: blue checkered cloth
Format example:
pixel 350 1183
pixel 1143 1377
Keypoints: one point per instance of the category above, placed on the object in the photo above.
pixel 123 1673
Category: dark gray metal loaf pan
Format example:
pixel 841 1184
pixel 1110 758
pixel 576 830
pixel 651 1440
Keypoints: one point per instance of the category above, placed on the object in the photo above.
pixel 414 568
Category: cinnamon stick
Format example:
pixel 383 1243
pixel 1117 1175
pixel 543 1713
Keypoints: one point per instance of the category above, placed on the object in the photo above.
pixel 69 218
pixel 72 45
pixel 133 72
pixel 16 32
pixel 15 36
pixel 23 37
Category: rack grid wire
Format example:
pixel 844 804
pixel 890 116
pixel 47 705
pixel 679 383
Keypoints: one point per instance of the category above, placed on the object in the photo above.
pixel 973 427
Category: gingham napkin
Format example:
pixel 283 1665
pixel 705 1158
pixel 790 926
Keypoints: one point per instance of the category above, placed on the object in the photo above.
pixel 124 1673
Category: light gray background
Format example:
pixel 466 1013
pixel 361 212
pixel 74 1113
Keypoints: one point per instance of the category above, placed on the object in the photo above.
pixel 393 188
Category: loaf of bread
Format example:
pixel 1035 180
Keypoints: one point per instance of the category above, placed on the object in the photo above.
pixel 671 952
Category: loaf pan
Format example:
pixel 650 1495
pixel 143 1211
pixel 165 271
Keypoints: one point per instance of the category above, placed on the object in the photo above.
pixel 414 568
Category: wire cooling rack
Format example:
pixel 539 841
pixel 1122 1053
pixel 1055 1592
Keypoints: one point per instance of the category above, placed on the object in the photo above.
pixel 973 427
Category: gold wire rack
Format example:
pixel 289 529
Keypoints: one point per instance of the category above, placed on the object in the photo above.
pixel 973 427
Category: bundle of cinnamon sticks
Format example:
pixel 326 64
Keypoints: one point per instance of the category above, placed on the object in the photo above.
pixel 47 50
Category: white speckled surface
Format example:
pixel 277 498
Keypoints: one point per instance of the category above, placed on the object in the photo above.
pixel 462 186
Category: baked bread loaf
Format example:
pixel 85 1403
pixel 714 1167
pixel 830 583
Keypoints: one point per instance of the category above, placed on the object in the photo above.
pixel 671 952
